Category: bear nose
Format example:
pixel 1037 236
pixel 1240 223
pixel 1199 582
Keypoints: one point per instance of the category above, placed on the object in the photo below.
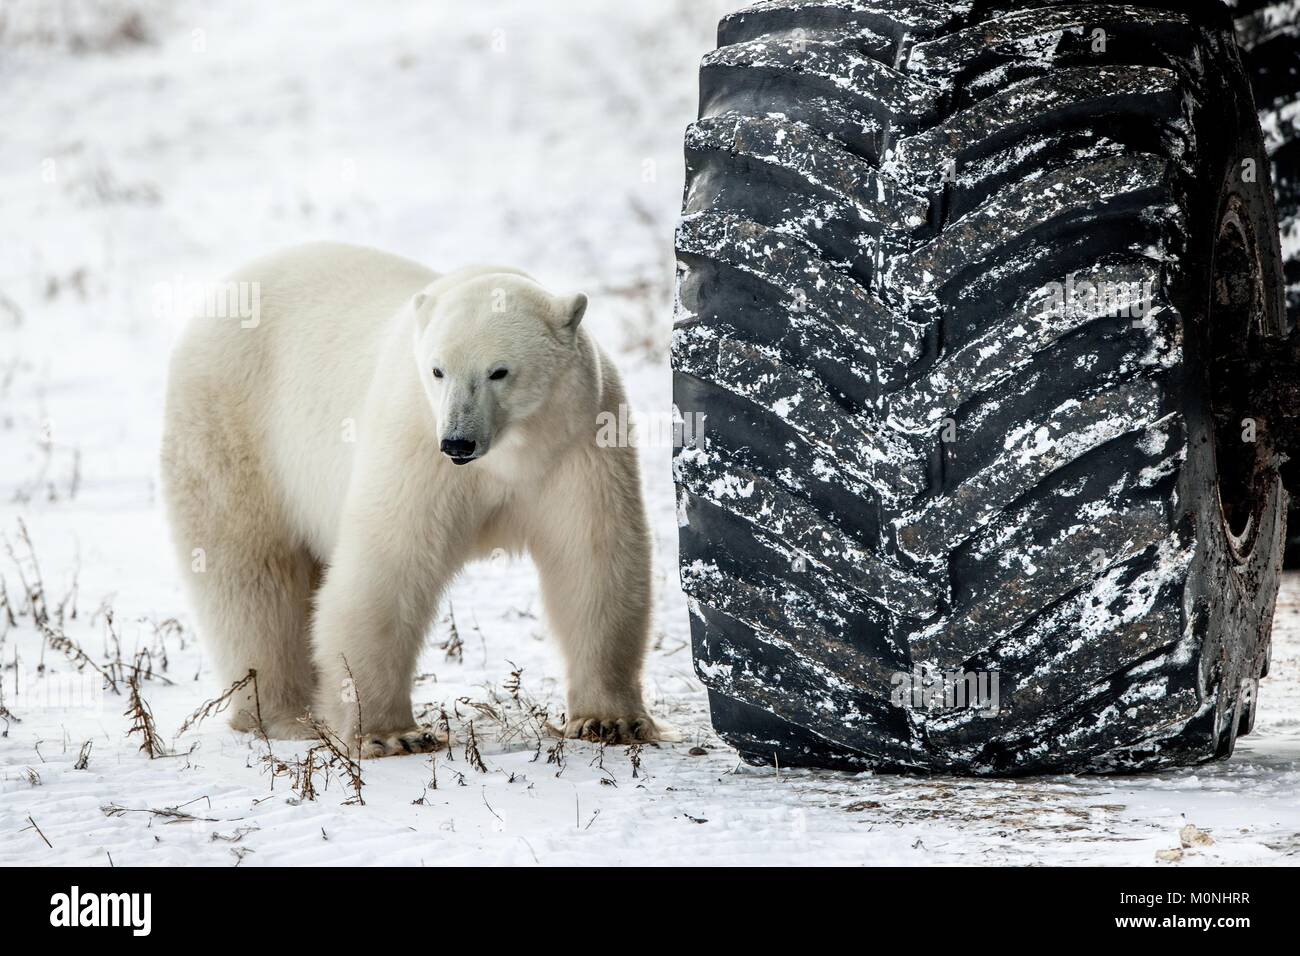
pixel 459 450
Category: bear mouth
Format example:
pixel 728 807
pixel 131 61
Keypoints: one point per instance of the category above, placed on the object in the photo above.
pixel 462 461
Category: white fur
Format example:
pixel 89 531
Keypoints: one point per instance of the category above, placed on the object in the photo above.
pixel 259 474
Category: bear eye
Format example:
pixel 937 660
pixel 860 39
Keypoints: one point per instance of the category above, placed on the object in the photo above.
pixel 437 373
pixel 499 374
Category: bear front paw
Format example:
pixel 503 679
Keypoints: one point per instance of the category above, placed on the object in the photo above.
pixel 629 729
pixel 417 740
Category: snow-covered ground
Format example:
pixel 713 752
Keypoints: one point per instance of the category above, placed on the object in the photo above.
pixel 145 153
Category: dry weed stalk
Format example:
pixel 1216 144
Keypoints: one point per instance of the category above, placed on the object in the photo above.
pixel 302 771
pixel 8 716
pixel 517 716
pixel 453 645
pixel 161 631
pixel 219 705
pixel 74 483
pixel 433 780
pixel 143 666
pixel 555 755
pixel 472 755
pixel 7 606
pixel 598 761
pixel 70 598
pixel 444 729
pixel 38 832
pixel 170 814
pixel 33 591
pixel 142 717
pixel 236 835
pixel 70 649
pixel 335 753
pixel 515 682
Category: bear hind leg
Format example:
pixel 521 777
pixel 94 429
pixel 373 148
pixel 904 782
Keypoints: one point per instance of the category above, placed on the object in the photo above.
pixel 259 620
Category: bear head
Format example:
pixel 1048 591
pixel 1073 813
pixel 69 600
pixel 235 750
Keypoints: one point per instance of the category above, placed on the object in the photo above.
pixel 490 346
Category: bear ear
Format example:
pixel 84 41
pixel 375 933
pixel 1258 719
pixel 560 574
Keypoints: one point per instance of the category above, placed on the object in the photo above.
pixel 572 309
pixel 420 313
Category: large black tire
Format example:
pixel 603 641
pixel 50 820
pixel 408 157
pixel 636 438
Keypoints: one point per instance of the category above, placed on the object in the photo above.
pixel 1268 33
pixel 916 451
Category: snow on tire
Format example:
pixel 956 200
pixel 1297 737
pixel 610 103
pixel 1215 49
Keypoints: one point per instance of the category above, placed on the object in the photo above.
pixel 961 289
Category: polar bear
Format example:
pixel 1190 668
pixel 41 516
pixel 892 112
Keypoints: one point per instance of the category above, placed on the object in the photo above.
pixel 330 465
